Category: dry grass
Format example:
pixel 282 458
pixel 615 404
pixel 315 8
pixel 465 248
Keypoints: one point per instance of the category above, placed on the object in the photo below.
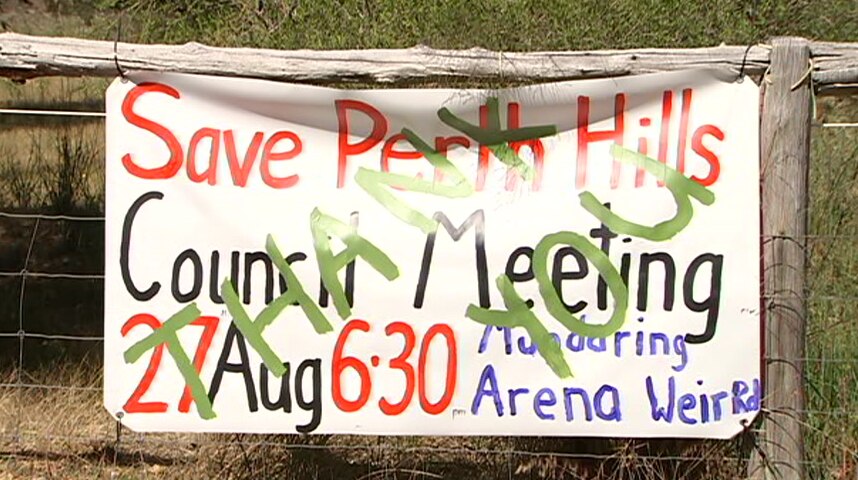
pixel 64 433
pixel 52 161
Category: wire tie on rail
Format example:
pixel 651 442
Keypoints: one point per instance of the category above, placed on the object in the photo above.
pixel 741 77
pixel 115 50
pixel 803 77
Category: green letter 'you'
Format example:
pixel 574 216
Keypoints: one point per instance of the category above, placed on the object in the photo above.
pixel 679 185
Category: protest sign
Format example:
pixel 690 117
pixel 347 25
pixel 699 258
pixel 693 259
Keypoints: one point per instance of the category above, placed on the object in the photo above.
pixel 576 258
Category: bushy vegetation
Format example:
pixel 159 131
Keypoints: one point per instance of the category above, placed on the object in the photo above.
pixel 493 24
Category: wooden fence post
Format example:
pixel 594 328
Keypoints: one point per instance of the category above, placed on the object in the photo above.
pixel 785 154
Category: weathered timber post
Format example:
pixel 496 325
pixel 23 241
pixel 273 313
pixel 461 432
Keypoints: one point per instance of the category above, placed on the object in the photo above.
pixel 784 162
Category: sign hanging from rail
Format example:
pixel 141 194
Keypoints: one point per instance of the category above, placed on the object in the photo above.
pixel 576 258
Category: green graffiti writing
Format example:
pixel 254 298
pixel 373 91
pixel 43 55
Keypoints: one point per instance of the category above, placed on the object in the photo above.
pixel 295 292
pixel 455 185
pixel 518 315
pixel 252 329
pixel 377 185
pixel 496 139
pixel 322 226
pixel 680 186
pixel 167 334
pixel 603 264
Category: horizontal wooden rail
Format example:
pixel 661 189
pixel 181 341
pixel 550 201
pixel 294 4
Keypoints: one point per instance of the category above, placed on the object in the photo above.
pixel 835 65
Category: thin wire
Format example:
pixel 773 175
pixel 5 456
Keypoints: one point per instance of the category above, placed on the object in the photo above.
pixel 827 360
pixel 825 298
pixel 88 439
pixel 20 372
pixel 173 441
pixel 822 236
pixel 116 49
pixel 39 216
pixel 43 386
pixel 839 125
pixel 101 218
pixel 45 336
pixel 56 113
pixel 832 413
pixel 744 61
pixel 805 77
pixel 100 276
pixel 66 276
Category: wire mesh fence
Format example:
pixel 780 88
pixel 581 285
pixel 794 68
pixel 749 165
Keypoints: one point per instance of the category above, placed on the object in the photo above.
pixel 52 423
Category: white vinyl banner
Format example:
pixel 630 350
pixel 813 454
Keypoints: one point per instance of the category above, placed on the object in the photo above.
pixel 574 259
